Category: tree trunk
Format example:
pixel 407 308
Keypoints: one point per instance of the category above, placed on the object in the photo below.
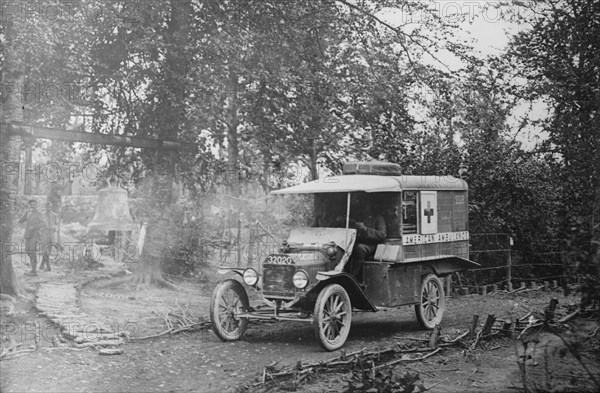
pixel 10 152
pixel 167 117
pixel 314 170
pixel 233 151
pixel 157 235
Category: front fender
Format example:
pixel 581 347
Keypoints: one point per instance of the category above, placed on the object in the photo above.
pixel 226 270
pixel 358 298
pixel 240 272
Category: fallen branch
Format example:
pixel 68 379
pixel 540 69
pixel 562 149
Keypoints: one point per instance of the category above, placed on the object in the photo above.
pixel 523 318
pixel 10 353
pixel 193 326
pixel 409 360
pixel 104 343
pixel 474 344
pixel 413 350
pixel 368 358
pixel 66 348
pixel 434 385
pixel 569 317
pixel 111 351
pixel 418 339
pixel 530 326
pixel 455 340
pixel 151 336
pixel 14 355
pixel 520 289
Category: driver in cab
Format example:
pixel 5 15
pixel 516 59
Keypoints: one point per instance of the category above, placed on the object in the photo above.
pixel 370 231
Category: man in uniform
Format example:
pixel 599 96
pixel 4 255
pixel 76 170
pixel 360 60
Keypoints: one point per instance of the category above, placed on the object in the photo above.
pixel 370 231
pixel 34 227
pixel 50 237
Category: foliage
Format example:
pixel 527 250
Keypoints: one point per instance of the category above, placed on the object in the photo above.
pixel 559 58
pixel 300 210
pixel 260 86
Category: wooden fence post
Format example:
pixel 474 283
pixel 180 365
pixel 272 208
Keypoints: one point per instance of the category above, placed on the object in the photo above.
pixel 549 312
pixel 433 339
pixel 487 326
pixel 473 327
pixel 509 267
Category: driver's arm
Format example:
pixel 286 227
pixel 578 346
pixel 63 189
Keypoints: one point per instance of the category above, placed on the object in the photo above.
pixel 376 233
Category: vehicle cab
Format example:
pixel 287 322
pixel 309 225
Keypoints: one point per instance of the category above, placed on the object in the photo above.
pixel 426 237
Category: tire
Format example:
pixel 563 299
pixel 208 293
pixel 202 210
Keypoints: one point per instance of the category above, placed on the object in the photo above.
pixel 332 317
pixel 432 302
pixel 228 299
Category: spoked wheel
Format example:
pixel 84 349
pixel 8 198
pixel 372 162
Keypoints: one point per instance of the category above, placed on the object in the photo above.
pixel 332 317
pixel 431 308
pixel 228 300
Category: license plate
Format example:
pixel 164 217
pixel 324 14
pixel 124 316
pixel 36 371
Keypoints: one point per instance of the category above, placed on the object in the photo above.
pixel 280 260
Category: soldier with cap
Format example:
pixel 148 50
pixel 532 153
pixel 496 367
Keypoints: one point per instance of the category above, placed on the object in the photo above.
pixel 34 228
pixel 370 231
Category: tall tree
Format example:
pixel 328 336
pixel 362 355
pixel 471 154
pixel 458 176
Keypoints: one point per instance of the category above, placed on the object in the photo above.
pixel 560 57
pixel 36 63
pixel 166 118
pixel 10 152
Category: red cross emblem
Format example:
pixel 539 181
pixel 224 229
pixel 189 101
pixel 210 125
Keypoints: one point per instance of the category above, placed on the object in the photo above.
pixel 428 212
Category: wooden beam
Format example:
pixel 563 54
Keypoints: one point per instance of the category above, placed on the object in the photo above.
pixel 95 138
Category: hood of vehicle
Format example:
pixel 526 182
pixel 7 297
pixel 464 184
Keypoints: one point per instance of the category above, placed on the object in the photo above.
pixel 313 238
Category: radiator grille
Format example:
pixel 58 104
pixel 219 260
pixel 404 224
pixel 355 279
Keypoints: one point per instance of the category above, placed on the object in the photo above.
pixel 277 280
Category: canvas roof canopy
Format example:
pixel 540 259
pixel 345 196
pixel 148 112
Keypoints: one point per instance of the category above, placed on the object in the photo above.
pixel 374 183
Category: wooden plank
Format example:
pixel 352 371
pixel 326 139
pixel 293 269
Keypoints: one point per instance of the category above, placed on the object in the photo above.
pixel 411 252
pixel 95 138
pixel 430 250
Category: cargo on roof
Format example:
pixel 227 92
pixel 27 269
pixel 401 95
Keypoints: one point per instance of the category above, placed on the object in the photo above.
pixel 372 168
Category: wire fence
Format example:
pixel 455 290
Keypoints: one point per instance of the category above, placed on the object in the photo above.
pixel 502 264
pixel 505 266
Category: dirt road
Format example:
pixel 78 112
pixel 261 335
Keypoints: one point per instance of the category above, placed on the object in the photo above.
pixel 199 362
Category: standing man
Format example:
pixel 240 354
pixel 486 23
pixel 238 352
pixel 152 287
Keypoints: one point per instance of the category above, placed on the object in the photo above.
pixel 370 231
pixel 50 237
pixel 34 226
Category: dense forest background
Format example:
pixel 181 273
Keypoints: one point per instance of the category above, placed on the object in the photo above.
pixel 261 88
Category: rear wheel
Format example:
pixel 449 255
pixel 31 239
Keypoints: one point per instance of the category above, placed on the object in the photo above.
pixel 432 304
pixel 228 300
pixel 332 317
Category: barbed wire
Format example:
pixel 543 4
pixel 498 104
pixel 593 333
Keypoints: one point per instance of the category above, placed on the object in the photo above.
pixel 543 278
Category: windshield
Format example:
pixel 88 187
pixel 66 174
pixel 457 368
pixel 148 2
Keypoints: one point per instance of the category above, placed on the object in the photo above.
pixel 330 209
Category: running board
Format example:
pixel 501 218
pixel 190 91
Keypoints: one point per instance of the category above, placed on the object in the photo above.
pixel 271 317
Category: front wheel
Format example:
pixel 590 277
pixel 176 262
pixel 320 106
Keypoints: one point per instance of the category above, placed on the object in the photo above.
pixel 430 309
pixel 332 317
pixel 228 300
